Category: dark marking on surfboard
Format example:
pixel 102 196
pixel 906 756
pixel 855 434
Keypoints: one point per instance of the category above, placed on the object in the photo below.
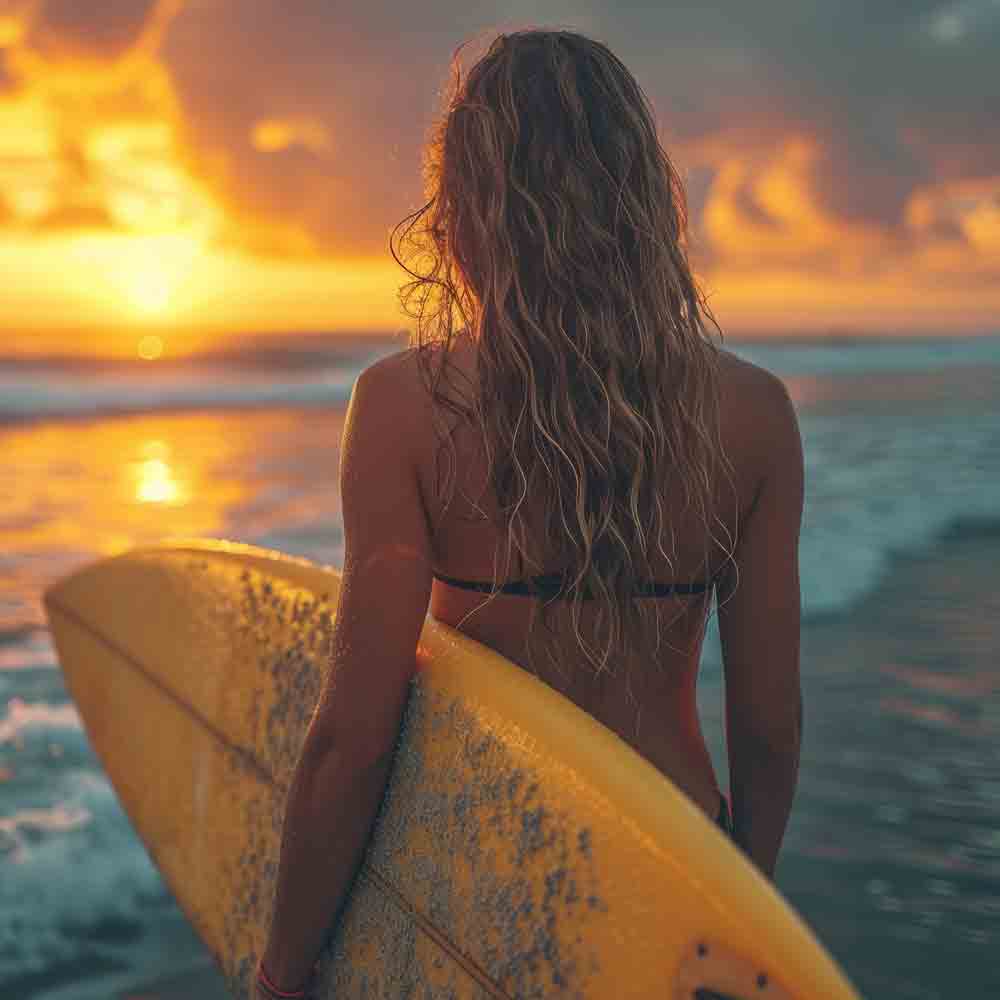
pixel 505 887
pixel 498 910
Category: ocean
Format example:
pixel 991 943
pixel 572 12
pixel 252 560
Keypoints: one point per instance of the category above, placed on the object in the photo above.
pixel 892 854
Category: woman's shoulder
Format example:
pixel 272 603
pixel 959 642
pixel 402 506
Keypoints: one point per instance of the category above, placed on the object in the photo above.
pixel 403 393
pixel 758 417
pixel 404 364
pixel 399 370
pixel 748 390
pixel 407 371
pixel 745 372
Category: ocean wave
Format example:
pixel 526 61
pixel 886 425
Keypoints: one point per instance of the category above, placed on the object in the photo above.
pixel 22 716
pixel 51 396
pixel 77 887
pixel 304 374
pixel 869 355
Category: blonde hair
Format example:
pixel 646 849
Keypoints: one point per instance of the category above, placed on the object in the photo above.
pixel 554 233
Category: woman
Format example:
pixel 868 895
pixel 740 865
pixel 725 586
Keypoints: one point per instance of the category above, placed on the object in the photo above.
pixel 566 478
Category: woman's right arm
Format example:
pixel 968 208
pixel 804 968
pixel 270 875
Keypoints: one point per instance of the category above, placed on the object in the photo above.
pixel 759 616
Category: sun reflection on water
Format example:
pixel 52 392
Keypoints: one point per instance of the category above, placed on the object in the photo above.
pixel 156 483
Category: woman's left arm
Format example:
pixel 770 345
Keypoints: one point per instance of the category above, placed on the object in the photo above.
pixel 341 774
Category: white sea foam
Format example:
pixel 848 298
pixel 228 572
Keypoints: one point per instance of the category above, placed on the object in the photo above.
pixel 21 716
pixel 75 879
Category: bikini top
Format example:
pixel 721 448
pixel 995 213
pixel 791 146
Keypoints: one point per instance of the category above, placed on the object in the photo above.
pixel 549 585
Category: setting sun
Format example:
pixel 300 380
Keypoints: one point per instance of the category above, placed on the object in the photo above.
pixel 149 293
pixel 149 348
pixel 152 277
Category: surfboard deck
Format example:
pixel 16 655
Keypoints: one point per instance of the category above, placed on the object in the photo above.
pixel 522 849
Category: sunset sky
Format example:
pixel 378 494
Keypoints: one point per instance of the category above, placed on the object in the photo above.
pixel 234 165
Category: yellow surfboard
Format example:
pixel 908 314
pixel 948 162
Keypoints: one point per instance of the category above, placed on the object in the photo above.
pixel 522 849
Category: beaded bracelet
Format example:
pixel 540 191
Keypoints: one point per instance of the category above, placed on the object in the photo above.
pixel 264 980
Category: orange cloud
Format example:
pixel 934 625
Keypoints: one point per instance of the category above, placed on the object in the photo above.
pixel 761 211
pixel 762 214
pixel 956 231
pixel 11 30
pixel 271 135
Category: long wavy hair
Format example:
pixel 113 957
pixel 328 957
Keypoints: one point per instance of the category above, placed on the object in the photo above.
pixel 554 234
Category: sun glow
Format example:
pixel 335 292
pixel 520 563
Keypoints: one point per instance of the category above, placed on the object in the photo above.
pixel 148 292
pixel 151 277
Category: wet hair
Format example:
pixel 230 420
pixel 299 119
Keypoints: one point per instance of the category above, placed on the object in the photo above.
pixel 554 234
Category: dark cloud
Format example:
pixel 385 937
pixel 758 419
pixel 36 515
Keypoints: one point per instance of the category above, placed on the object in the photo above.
pixel 753 211
pixel 887 104
pixel 62 28
pixel 370 74
pixel 312 62
pixel 865 173
pixel 946 229
pixel 860 78
pixel 697 185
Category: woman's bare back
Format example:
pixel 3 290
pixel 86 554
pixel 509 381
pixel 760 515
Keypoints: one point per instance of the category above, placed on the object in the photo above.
pixel 650 705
